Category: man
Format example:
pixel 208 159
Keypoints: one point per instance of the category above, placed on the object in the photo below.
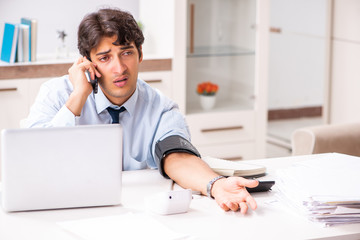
pixel 155 132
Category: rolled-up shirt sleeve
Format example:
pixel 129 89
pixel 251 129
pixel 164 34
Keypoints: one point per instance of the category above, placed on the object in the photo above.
pixel 172 122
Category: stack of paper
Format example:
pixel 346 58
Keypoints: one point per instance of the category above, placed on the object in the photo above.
pixel 234 168
pixel 325 187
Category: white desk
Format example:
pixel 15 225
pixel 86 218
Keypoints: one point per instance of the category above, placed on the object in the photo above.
pixel 205 220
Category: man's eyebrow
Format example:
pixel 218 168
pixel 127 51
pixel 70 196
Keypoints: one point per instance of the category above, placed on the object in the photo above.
pixel 127 47
pixel 102 53
pixel 122 48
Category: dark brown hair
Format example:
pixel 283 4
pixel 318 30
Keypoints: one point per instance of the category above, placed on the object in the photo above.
pixel 108 22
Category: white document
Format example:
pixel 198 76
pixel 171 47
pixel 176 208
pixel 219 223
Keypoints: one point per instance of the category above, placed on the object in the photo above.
pixel 330 177
pixel 325 188
pixel 234 168
pixel 127 226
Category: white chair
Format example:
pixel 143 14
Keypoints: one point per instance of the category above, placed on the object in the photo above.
pixel 341 138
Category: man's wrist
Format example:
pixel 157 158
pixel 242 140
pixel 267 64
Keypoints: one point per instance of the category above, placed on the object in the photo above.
pixel 210 186
pixel 76 102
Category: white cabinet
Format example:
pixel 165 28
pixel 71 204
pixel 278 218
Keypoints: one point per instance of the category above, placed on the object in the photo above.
pixel 346 19
pixel 160 80
pixel 231 137
pixel 16 98
pixel 13 102
pixel 209 128
pixel 224 42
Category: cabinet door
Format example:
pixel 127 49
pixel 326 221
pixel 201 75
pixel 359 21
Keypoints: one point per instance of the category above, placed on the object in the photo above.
pixel 160 80
pixel 345 72
pixel 221 42
pixel 224 42
pixel 345 83
pixel 221 128
pixel 13 102
pixel 306 17
pixel 346 20
pixel 297 61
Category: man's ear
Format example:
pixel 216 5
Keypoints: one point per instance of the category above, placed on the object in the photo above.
pixel 140 54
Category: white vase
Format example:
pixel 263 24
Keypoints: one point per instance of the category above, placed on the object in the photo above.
pixel 207 102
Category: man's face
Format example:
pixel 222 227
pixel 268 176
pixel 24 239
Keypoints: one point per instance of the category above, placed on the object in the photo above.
pixel 118 66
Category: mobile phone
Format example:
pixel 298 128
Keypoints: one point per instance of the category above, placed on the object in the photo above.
pixel 94 83
pixel 263 186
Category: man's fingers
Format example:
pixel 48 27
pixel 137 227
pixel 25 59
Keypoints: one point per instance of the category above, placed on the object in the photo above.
pixel 91 67
pixel 243 182
pixel 251 201
pixel 80 60
pixel 76 63
pixel 97 73
pixel 243 207
pixel 92 71
pixel 233 206
pixel 235 195
pixel 252 183
pixel 224 207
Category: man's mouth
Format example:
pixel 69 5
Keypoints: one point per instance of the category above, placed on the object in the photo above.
pixel 120 82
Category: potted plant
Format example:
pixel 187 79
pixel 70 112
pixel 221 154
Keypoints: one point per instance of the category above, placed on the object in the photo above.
pixel 207 92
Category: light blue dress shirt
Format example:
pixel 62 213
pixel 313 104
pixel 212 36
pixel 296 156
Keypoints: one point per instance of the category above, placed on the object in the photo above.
pixel 149 117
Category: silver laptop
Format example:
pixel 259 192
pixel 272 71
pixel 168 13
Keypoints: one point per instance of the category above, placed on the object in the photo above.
pixel 67 167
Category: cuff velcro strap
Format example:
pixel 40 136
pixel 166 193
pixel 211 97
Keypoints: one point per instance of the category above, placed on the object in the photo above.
pixel 169 145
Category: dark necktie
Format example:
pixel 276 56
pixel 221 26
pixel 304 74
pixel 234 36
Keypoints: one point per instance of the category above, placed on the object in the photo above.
pixel 114 113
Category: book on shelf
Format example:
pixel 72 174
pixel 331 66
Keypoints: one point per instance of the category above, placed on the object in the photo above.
pixel 9 43
pixel 23 44
pixel 32 23
pixel 234 168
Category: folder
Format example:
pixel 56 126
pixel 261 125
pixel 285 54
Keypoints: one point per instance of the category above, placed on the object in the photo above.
pixel 32 23
pixel 234 168
pixel 9 44
pixel 23 43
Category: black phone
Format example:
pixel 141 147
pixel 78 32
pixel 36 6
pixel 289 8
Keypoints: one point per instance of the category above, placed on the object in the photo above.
pixel 94 83
pixel 263 186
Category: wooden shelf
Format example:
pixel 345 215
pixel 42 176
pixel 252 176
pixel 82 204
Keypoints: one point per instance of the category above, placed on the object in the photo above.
pixel 56 69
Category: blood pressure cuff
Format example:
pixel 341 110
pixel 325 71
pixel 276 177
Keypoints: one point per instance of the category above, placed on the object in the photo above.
pixel 172 144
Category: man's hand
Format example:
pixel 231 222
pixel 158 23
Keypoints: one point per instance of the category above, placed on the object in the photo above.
pixel 231 194
pixel 190 171
pixel 81 87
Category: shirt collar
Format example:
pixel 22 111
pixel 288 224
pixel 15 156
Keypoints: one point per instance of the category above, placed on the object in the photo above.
pixel 102 102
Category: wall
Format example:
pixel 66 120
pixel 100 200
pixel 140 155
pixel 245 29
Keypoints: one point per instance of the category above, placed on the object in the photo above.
pixel 57 15
pixel 157 17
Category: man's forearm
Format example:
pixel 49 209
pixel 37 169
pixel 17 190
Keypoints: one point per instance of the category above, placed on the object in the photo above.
pixel 189 171
pixel 75 103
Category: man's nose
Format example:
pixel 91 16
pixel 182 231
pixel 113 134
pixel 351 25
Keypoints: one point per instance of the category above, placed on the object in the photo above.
pixel 119 66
